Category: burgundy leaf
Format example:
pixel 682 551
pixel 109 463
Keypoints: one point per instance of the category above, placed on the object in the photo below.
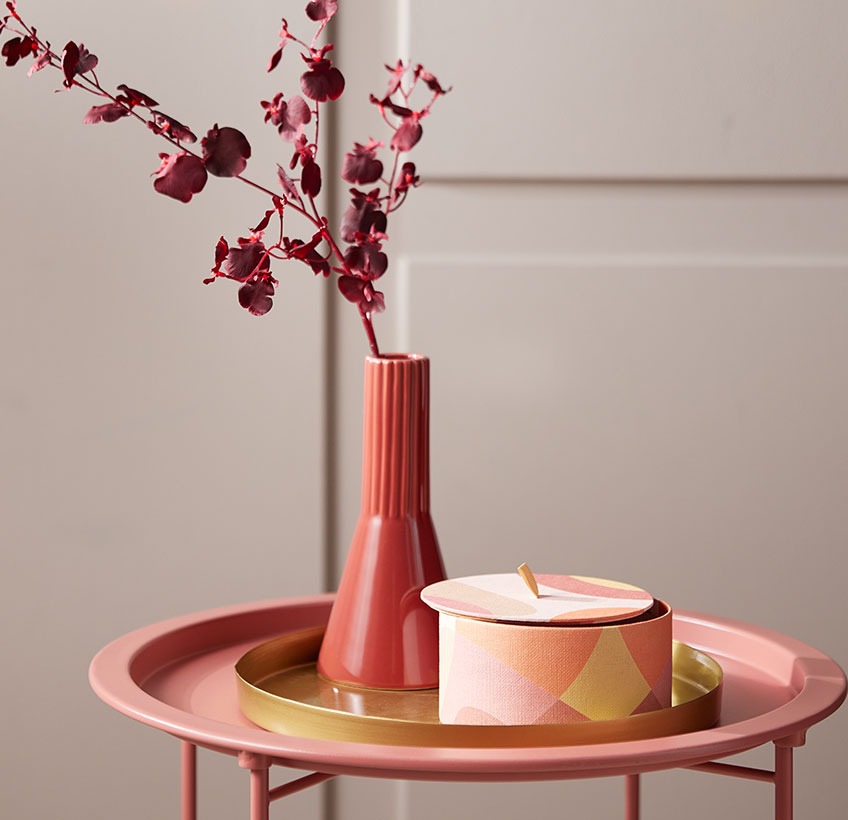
pixel 297 114
pixel 376 301
pixel 87 61
pixel 431 82
pixel 135 98
pixel 303 151
pixel 361 166
pixel 300 249
pixel 310 178
pixel 319 265
pixel 322 81
pixel 28 46
pixel 221 251
pixel 275 58
pixel 225 151
pixel 362 294
pixel 249 259
pixel 287 182
pixel 263 223
pixel 407 134
pixel 307 252
pixel 367 259
pixel 42 61
pixel 385 102
pixel 408 178
pixel 10 51
pixel 288 115
pixel 164 124
pixel 180 176
pixel 70 60
pixel 110 112
pixel 16 48
pixel 362 215
pixel 351 288
pixel 321 9
pixel 257 297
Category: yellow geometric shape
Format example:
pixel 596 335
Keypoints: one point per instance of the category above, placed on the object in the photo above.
pixel 605 582
pixel 610 685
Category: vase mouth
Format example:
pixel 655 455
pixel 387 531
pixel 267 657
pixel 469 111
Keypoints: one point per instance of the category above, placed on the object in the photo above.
pixel 396 357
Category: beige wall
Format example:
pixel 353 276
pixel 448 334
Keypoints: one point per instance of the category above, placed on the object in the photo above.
pixel 639 370
pixel 160 449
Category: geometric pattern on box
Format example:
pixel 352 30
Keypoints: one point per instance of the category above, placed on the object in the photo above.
pixel 504 597
pixel 496 673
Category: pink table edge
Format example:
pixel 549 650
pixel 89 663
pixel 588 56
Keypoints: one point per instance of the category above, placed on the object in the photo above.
pixel 821 682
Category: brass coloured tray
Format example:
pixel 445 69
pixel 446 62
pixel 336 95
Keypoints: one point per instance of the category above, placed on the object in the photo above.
pixel 280 690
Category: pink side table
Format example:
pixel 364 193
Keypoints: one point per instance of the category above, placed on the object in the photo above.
pixel 178 677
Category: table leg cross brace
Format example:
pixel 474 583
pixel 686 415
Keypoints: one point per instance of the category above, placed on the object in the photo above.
pixel 261 796
pixel 781 777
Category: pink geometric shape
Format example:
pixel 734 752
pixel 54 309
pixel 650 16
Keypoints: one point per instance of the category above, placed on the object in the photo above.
pixel 469 716
pixel 589 586
pixel 531 650
pixel 481 682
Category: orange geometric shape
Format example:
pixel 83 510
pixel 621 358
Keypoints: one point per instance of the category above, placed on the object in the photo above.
pixel 596 615
pixel 650 648
pixel 551 658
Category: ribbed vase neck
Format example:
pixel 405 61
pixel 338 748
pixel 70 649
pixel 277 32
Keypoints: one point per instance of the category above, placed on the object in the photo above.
pixel 396 433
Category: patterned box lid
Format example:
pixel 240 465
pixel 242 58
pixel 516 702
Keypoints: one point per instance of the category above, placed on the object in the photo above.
pixel 563 599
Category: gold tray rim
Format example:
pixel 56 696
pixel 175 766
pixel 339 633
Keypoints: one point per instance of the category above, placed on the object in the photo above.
pixel 286 716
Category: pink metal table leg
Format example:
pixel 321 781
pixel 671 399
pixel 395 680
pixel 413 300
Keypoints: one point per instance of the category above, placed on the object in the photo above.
pixel 188 758
pixel 259 793
pixel 783 776
pixel 631 797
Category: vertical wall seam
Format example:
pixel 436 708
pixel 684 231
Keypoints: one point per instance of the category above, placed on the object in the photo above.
pixel 403 34
pixel 329 807
pixel 330 364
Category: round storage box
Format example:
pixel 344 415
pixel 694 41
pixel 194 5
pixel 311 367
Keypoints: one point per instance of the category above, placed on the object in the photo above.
pixel 584 649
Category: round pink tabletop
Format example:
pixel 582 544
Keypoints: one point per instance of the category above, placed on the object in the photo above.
pixel 178 677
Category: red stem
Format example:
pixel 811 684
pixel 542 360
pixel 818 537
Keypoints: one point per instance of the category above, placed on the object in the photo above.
pixel 391 185
pixel 369 330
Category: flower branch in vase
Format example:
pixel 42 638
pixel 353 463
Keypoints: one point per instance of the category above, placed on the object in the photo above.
pixel 353 252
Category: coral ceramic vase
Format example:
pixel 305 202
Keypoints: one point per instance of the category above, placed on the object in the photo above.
pixel 381 635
